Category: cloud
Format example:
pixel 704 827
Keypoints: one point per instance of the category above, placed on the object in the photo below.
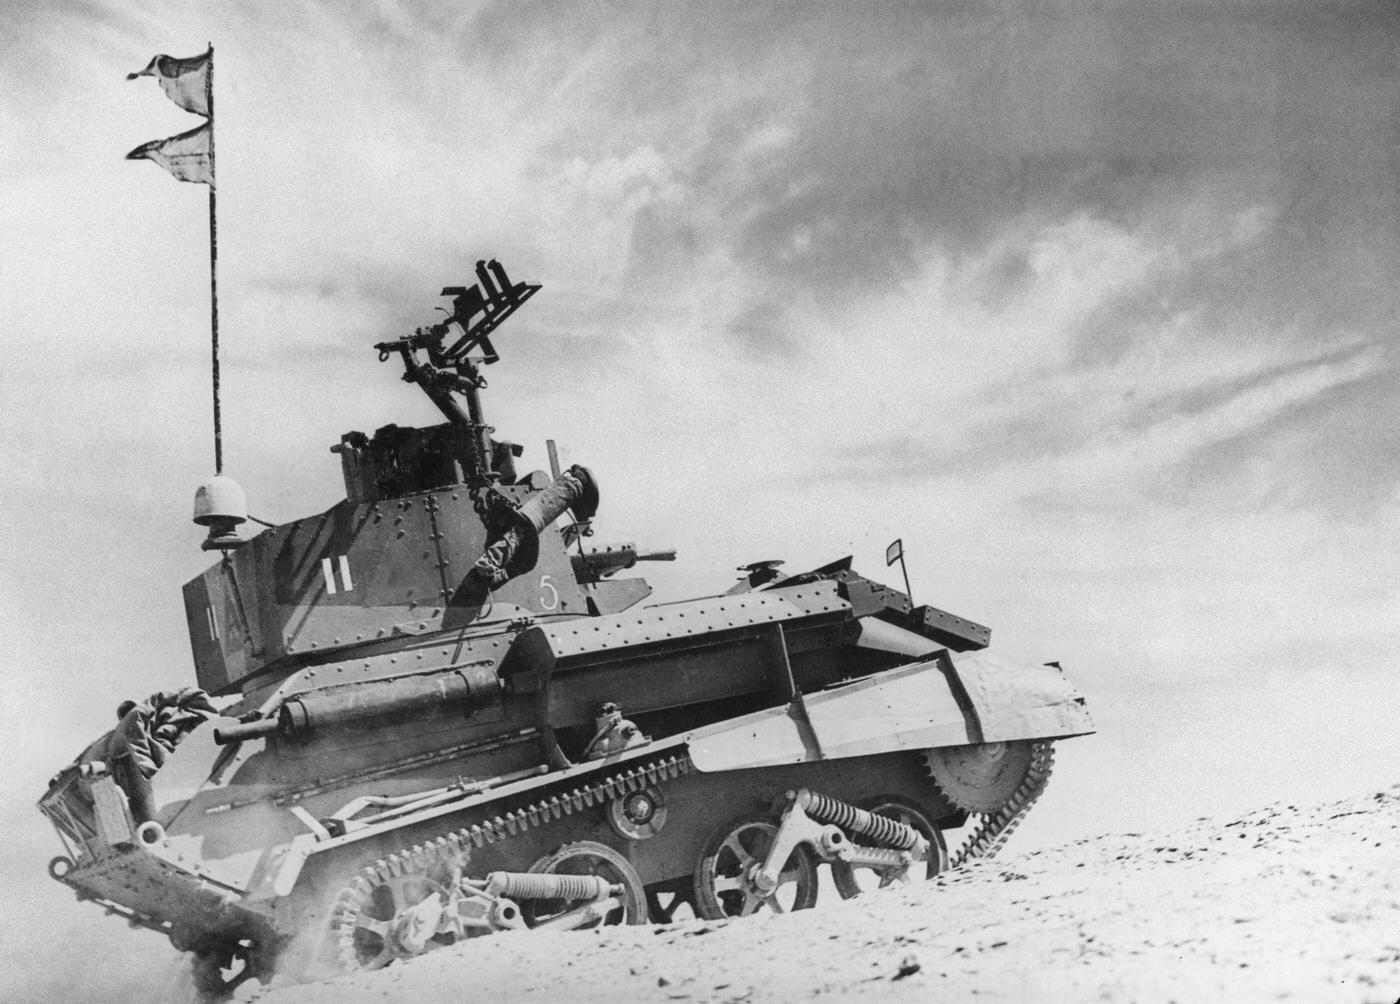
pixel 1127 250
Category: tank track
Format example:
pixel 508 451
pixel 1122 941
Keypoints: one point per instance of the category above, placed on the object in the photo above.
pixel 512 823
pixel 996 828
pixel 449 848
pixel 991 834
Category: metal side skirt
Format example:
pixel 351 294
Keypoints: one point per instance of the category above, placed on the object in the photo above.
pixel 909 708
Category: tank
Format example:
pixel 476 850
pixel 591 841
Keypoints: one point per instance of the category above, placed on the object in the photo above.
pixel 444 708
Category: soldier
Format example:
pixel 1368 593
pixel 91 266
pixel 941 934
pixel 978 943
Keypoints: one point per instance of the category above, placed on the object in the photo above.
pixel 145 735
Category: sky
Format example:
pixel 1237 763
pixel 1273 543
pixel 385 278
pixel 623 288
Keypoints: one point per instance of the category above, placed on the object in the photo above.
pixel 1092 304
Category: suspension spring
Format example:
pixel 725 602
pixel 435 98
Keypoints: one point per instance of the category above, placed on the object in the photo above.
pixel 880 857
pixel 881 829
pixel 546 885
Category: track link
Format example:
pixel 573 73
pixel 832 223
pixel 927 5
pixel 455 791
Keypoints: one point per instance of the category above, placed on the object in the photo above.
pixel 992 832
pixel 445 851
pixel 996 828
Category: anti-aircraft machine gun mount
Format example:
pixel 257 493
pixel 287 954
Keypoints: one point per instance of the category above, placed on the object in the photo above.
pixel 442 713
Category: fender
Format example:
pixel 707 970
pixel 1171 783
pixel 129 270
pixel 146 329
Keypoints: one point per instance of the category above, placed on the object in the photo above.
pixel 945 701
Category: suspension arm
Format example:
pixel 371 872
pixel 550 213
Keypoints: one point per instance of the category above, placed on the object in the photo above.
pixel 821 821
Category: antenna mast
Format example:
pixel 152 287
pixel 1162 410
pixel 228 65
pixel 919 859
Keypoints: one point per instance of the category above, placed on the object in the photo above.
pixel 214 272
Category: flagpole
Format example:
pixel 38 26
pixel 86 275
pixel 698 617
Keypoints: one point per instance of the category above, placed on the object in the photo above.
pixel 214 269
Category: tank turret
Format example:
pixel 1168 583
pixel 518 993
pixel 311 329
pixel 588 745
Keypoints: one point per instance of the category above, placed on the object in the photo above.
pixel 436 532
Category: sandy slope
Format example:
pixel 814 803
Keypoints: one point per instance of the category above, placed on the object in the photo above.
pixel 1286 903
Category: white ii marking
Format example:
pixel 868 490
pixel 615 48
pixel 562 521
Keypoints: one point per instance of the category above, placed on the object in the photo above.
pixel 329 576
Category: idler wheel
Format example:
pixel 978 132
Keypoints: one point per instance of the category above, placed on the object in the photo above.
pixel 723 875
pixel 587 857
pixel 854 881
pixel 980 778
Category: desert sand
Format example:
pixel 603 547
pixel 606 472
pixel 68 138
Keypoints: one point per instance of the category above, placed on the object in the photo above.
pixel 1285 903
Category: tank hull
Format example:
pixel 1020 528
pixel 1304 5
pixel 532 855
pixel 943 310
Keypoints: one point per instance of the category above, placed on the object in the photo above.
pixel 266 863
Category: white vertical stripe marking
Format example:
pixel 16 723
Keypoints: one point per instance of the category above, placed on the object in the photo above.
pixel 213 624
pixel 328 575
pixel 345 573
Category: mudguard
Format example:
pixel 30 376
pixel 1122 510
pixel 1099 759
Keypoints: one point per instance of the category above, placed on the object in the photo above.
pixel 945 701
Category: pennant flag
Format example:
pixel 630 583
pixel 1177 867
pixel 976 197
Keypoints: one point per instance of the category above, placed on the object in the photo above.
pixel 894 552
pixel 188 156
pixel 184 81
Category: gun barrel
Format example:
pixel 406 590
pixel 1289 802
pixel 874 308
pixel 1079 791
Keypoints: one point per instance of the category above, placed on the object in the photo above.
pixel 245 730
pixel 600 561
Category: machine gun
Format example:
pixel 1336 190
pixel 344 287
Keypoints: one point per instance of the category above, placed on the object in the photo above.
pixel 477 310
pixel 599 562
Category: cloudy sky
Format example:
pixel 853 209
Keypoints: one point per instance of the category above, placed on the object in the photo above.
pixel 1093 304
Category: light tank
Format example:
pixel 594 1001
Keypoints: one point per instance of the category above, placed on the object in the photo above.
pixel 437 711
